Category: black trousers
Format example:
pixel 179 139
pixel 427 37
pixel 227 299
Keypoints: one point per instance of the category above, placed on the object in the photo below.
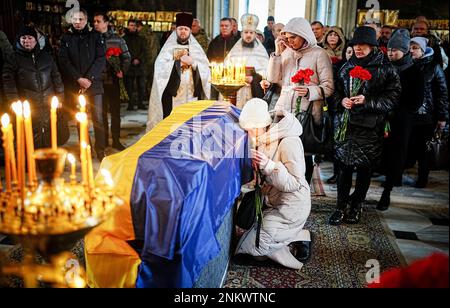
pixel 397 149
pixel 309 168
pixel 345 183
pixel 111 103
pixel 421 134
pixel 140 97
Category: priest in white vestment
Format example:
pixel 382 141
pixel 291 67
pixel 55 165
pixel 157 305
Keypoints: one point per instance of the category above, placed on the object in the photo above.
pixel 255 54
pixel 182 73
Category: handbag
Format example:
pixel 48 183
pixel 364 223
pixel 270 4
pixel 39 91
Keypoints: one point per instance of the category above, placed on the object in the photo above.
pixel 316 138
pixel 437 150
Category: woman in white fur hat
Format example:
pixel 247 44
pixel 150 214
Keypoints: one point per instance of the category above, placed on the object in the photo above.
pixel 281 160
pixel 297 51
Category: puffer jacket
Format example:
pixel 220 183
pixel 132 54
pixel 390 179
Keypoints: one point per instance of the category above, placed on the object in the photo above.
pixel 282 68
pixel 363 144
pixel 33 76
pixel 82 55
pixel 435 103
pixel 286 191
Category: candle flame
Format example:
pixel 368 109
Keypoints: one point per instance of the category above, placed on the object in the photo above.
pixel 82 100
pixel 81 117
pixel 55 102
pixel 5 120
pixel 71 159
pixel 17 108
pixel 84 145
pixel 26 109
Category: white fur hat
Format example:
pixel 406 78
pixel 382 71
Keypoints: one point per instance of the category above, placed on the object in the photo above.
pixel 255 114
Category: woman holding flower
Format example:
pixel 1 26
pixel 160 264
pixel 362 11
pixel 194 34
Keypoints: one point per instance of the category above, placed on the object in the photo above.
pixel 297 50
pixel 367 89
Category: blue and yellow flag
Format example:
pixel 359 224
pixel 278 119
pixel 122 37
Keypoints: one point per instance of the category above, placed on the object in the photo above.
pixel 179 182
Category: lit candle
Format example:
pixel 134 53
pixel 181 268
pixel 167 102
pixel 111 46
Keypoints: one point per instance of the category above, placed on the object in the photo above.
pixel 90 167
pixel 18 110
pixel 5 129
pixel 54 130
pixel 73 165
pixel 32 178
pixel 84 163
pixel 83 103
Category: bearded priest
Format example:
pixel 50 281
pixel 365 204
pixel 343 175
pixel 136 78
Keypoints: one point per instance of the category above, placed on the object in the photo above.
pixel 182 73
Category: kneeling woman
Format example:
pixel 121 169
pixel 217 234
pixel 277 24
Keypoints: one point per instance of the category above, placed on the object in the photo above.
pixel 362 119
pixel 280 158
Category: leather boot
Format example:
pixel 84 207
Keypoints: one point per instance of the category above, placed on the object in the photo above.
pixel 385 201
pixel 353 216
pixel 339 215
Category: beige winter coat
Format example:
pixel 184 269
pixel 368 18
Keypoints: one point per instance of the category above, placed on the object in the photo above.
pixel 286 191
pixel 282 68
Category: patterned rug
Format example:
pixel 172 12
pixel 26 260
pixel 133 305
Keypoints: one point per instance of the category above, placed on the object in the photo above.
pixel 339 255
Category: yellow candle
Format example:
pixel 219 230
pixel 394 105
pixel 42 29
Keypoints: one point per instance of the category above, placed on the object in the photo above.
pixel 18 110
pixel 82 119
pixel 73 165
pixel 32 178
pixel 83 103
pixel 90 167
pixel 5 129
pixel 84 164
pixel 12 155
pixel 54 130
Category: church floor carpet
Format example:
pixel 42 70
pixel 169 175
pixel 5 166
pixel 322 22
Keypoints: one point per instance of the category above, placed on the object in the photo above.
pixel 339 255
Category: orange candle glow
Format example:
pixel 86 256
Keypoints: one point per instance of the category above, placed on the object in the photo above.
pixel 6 126
pixel 29 143
pixel 82 119
pixel 18 110
pixel 83 103
pixel 53 118
pixel 73 168
pixel 90 167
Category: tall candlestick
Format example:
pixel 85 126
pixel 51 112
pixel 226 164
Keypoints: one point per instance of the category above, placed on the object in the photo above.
pixel 18 110
pixel 73 164
pixel 32 178
pixel 83 103
pixel 90 167
pixel 82 119
pixel 54 130
pixel 5 129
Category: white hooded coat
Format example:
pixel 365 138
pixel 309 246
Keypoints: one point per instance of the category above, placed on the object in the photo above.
pixel 163 70
pixel 256 57
pixel 286 191
pixel 282 68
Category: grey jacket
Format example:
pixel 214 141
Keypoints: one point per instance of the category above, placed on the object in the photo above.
pixel 113 40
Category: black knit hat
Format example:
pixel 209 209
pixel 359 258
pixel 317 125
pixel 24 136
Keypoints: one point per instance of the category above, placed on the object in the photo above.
pixel 364 35
pixel 271 18
pixel 184 20
pixel 30 31
pixel 400 40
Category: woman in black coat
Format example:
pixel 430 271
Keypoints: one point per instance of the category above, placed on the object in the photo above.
pixel 30 73
pixel 433 110
pixel 402 118
pixel 361 147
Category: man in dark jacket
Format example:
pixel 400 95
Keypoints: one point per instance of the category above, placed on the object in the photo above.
pixel 111 79
pixel 82 60
pixel 269 42
pixel 137 46
pixel 31 74
pixel 221 45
